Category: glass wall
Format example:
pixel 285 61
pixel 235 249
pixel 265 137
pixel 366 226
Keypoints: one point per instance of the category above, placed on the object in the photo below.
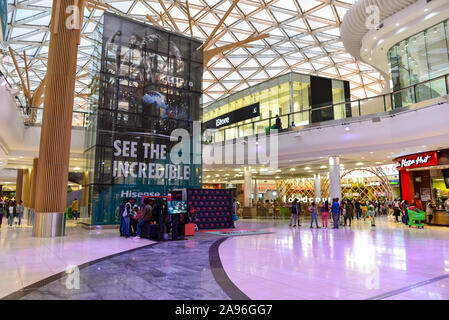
pixel 422 57
pixel 288 96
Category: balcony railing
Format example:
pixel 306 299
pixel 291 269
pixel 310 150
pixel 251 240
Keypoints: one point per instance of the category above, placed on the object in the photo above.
pixel 79 119
pixel 405 97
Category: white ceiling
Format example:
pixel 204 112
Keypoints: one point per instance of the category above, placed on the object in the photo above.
pixel 304 37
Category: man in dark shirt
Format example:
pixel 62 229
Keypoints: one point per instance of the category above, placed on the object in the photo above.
pixel 358 209
pixel 278 123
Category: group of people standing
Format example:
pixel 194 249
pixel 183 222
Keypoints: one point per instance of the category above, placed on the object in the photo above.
pixel 343 213
pixel 132 217
pixel 12 211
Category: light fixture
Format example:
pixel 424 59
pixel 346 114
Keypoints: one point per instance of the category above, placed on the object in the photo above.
pixel 77 169
pixel 347 129
pixel 307 168
pixel 292 169
pixel 360 163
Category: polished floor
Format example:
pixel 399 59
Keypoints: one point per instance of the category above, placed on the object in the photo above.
pixel 25 260
pixel 387 262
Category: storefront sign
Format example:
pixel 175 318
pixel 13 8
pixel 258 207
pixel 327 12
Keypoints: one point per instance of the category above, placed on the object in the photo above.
pixel 427 159
pixel 241 114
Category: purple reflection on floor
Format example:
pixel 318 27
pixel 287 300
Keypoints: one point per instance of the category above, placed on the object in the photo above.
pixel 357 263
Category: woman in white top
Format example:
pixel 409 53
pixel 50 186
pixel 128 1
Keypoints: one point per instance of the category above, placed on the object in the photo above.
pixel 10 213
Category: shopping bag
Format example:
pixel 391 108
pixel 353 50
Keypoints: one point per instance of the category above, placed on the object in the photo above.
pixel 236 217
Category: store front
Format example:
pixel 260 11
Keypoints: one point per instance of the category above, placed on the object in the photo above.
pixel 298 99
pixel 425 177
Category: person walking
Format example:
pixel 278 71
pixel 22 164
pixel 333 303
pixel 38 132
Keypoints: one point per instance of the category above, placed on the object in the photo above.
pixel 1 215
pixel 19 210
pixel 294 212
pixel 446 206
pixel 325 213
pixel 11 213
pixel 146 217
pixel 430 211
pixel 313 215
pixel 120 212
pixel 372 214
pixel 349 213
pixel 75 209
pixel 405 207
pixel 335 212
pixel 358 209
pixel 125 213
pixel 278 125
pixel 396 211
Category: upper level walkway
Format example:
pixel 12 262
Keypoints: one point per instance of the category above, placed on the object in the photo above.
pixel 390 121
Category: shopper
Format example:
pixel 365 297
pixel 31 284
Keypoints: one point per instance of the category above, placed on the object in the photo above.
pixel 1 215
pixel 11 212
pixel 313 215
pixel 294 212
pixel 349 213
pixel 396 211
pixel 146 216
pixel 278 123
pixel 120 211
pixel 298 210
pixel 335 212
pixel 133 218
pixel 446 206
pixel 125 210
pixel 325 213
pixel 358 209
pixel 19 210
pixel 430 211
pixel 372 214
pixel 365 210
pixel 405 207
pixel 75 209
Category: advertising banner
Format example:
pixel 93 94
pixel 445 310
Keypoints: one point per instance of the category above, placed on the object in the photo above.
pixel 146 100
pixel 241 114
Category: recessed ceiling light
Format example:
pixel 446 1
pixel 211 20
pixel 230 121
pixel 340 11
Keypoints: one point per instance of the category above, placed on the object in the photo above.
pixel 360 163
pixel 307 168
pixel 292 169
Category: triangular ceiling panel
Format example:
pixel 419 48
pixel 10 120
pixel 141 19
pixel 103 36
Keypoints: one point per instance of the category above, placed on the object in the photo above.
pixel 298 29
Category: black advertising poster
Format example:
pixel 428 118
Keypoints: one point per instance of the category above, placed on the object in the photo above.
pixel 241 114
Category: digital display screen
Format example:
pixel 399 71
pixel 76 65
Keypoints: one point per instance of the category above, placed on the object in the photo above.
pixel 175 207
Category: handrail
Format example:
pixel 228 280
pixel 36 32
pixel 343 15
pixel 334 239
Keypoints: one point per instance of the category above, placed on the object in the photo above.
pixel 389 101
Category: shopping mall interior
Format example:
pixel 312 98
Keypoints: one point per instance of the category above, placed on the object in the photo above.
pixel 224 150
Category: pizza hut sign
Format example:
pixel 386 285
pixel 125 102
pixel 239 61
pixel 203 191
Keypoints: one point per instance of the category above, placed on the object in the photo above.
pixel 427 159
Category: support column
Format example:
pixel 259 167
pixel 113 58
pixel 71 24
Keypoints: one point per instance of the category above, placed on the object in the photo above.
pixel 335 177
pixel 32 201
pixel 19 184
pixel 248 188
pixel 318 187
pixel 85 196
pixel 26 195
pixel 54 152
pixel 256 191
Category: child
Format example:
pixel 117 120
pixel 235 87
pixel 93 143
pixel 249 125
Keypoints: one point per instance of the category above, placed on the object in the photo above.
pixel 371 214
pixel 364 211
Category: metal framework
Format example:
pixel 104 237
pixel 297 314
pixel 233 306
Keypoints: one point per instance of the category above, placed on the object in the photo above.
pixel 304 36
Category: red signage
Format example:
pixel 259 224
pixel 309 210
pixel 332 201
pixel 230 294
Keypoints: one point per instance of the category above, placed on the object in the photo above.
pixel 427 159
